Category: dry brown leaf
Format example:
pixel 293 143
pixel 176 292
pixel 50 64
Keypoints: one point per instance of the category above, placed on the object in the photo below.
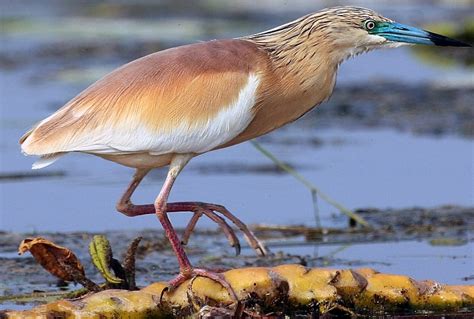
pixel 58 260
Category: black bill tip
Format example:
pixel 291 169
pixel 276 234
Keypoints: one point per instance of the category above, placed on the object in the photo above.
pixel 441 40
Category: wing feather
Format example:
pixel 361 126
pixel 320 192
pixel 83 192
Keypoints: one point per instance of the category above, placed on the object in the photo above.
pixel 181 99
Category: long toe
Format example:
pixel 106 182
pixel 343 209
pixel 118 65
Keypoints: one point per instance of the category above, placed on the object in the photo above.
pixel 211 211
pixel 253 241
pixel 198 272
pixel 256 244
pixel 217 277
pixel 228 231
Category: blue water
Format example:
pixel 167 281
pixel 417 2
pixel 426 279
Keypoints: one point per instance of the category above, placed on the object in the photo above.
pixel 416 258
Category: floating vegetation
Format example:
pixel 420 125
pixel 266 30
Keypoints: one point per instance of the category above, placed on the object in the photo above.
pixel 286 290
pixel 282 290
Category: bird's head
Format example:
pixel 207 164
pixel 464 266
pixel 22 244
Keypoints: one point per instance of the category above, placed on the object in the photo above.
pixel 330 36
pixel 354 30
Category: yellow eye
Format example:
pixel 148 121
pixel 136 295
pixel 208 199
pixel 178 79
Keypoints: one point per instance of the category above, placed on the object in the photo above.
pixel 369 25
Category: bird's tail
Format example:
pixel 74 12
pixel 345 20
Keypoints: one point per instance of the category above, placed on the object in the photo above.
pixel 45 159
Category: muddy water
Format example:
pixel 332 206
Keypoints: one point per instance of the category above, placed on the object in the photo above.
pixel 356 157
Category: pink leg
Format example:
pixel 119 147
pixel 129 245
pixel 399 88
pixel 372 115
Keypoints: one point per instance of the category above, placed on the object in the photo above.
pixel 126 207
pixel 229 232
pixel 186 271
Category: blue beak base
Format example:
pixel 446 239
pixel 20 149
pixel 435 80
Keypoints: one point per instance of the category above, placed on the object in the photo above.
pixel 398 32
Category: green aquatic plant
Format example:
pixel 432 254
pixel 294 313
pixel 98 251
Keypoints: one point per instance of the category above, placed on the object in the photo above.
pixel 315 192
pixel 101 255
pixel 116 274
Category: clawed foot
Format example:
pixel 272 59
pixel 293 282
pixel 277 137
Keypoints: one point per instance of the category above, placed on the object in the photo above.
pixel 211 211
pixel 198 272
pixel 199 209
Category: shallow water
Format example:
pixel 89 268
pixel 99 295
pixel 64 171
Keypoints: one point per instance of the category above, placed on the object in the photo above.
pixel 360 167
pixel 369 168
pixel 414 258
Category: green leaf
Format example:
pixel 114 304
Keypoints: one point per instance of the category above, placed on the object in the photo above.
pixel 101 254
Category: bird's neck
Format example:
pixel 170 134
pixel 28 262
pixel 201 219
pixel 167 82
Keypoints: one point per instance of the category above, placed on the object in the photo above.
pixel 300 73
pixel 295 57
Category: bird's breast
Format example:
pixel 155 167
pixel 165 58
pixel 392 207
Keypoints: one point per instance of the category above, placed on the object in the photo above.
pixel 282 101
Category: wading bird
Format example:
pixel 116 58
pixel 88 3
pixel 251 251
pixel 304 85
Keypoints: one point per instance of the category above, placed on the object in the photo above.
pixel 170 106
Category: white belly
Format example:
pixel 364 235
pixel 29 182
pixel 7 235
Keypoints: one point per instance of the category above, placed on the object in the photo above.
pixel 186 137
pixel 139 160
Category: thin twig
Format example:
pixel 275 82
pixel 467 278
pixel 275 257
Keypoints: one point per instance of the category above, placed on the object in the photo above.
pixel 317 218
pixel 336 251
pixel 309 185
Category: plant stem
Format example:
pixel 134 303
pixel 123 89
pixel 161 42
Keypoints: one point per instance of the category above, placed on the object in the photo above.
pixel 309 185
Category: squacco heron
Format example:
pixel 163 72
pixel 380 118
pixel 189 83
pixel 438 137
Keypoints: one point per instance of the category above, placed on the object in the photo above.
pixel 168 107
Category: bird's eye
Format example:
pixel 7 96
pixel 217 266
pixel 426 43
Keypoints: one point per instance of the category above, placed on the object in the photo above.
pixel 369 25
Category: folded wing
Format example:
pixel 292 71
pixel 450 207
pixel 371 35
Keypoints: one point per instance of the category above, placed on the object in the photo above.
pixel 187 99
